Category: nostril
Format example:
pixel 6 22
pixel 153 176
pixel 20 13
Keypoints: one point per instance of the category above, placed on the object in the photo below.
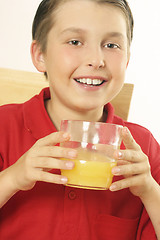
pixel 97 64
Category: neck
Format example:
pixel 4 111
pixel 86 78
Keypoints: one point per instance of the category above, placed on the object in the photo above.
pixel 63 113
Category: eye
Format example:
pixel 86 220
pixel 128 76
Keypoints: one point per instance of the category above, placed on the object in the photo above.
pixel 111 45
pixel 75 42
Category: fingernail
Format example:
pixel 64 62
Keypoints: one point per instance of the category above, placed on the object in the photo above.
pixel 112 187
pixel 120 155
pixel 69 165
pixel 115 170
pixel 64 180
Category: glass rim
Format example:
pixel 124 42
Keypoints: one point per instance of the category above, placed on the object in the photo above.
pixel 92 122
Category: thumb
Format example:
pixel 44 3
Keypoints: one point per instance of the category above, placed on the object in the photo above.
pixel 128 140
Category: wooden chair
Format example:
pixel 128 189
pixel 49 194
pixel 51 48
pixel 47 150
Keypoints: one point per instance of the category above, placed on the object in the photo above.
pixel 18 86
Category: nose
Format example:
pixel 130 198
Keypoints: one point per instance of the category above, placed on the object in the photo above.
pixel 97 64
pixel 95 58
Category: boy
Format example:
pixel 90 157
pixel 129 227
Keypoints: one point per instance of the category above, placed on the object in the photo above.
pixel 83 48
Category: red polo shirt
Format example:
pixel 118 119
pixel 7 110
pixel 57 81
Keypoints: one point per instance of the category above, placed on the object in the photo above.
pixel 51 211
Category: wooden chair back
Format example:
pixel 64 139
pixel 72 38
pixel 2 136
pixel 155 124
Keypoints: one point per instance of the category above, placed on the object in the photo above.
pixel 18 86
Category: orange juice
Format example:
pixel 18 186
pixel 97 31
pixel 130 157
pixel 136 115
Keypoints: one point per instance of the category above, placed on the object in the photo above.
pixel 92 170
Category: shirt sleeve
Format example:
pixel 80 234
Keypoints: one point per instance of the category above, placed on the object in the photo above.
pixel 145 229
pixel 1 163
pixel 154 158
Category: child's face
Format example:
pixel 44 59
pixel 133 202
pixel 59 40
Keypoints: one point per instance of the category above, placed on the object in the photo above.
pixel 88 42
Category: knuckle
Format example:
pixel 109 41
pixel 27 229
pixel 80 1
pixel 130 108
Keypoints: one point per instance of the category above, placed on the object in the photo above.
pixel 38 142
pixel 43 163
pixel 148 167
pixel 138 156
pixel 63 152
pixel 49 177
pixel 33 151
pixel 138 147
pixel 54 137
pixel 125 170
pixel 137 168
pixel 146 162
pixel 66 164
pixel 146 158
pixel 41 175
pixel 132 170
pixel 132 157
pixel 58 136
pixel 27 161
pixel 131 140
pixel 122 184
pixel 69 153
pixel 63 164
pixel 50 151
pixel 145 179
pixel 130 182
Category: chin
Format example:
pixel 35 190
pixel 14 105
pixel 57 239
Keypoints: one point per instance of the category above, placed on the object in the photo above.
pixel 87 107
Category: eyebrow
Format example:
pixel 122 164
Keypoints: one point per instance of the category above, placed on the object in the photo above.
pixel 80 30
pixel 73 30
pixel 115 34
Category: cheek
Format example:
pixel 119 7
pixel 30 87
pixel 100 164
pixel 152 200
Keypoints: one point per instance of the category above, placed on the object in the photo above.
pixel 61 59
pixel 117 64
pixel 68 58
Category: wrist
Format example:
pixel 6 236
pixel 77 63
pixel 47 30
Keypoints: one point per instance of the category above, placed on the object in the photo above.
pixel 149 191
pixel 7 187
pixel 8 179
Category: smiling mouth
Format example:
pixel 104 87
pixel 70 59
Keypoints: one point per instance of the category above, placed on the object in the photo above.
pixel 90 82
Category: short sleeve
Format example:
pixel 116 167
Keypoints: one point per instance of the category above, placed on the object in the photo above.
pixel 1 163
pixel 146 229
pixel 154 158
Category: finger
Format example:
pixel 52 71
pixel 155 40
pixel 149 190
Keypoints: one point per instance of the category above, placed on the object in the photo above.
pixel 133 181
pixel 119 163
pixel 130 155
pixel 131 169
pixel 53 139
pixel 49 177
pixel 52 163
pixel 128 140
pixel 55 152
pixel 122 162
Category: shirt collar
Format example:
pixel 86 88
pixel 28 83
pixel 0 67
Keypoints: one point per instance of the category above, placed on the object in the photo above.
pixel 37 120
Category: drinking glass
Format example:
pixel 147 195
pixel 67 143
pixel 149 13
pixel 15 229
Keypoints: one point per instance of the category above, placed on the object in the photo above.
pixel 95 143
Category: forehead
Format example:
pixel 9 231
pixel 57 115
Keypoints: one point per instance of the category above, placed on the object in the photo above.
pixel 86 13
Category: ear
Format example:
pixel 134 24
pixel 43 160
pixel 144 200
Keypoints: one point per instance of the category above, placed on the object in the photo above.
pixel 37 56
pixel 128 59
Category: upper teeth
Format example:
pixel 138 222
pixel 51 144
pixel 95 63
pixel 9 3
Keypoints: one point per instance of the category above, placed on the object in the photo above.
pixel 90 81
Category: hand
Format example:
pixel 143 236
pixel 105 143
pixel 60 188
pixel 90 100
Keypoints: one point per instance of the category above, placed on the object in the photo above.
pixel 43 156
pixel 134 166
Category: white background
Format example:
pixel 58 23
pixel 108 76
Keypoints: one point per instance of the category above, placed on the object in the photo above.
pixel 144 69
